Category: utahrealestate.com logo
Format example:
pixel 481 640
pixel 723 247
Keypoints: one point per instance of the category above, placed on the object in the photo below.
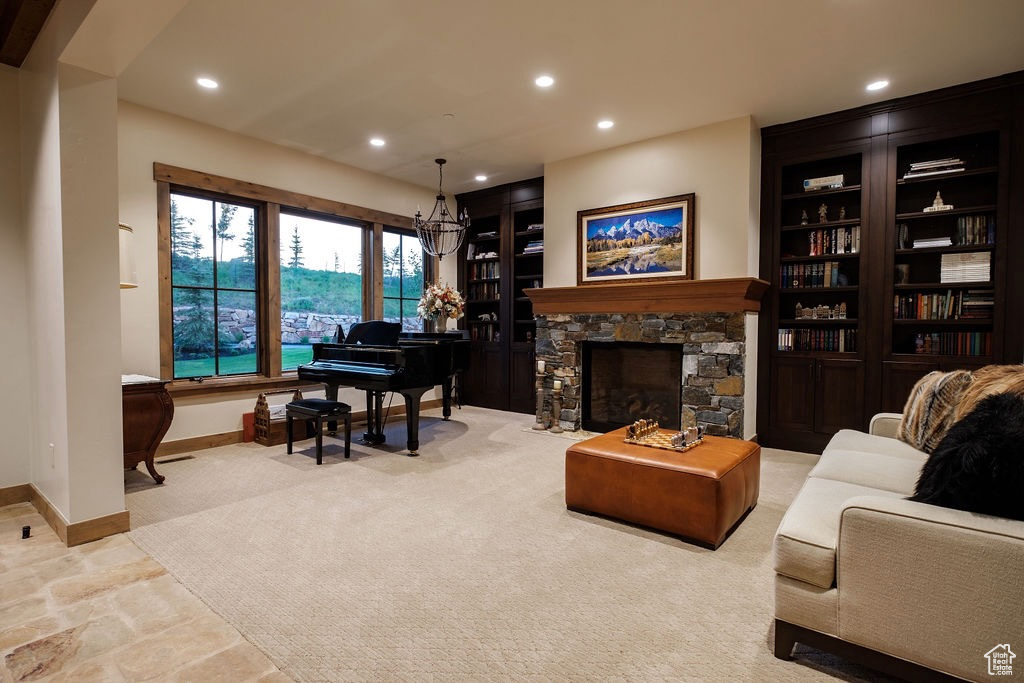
pixel 1000 660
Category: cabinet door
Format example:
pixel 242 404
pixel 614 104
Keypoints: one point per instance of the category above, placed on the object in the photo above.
pixel 792 400
pixel 898 378
pixel 522 380
pixel 839 396
pixel 484 383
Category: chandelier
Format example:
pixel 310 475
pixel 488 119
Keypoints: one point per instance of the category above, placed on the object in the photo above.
pixel 440 234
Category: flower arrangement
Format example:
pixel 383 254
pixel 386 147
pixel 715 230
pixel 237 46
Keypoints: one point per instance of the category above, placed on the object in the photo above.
pixel 439 302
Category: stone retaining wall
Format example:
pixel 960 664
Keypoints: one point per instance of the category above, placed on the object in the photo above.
pixel 713 357
pixel 296 327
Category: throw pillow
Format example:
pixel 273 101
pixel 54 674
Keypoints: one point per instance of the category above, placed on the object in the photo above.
pixel 991 379
pixel 978 466
pixel 931 408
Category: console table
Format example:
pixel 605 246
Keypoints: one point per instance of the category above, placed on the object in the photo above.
pixel 147 410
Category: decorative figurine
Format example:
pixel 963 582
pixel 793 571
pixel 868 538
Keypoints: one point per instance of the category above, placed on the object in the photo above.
pixel 842 213
pixel 938 204
pixel 823 213
pixel 803 217
pixel 799 310
pixel 842 310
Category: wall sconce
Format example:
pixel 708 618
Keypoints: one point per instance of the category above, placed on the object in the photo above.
pixel 126 251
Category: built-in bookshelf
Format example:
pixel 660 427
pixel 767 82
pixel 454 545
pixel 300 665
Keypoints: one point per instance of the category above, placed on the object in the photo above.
pixel 946 202
pixel 483 279
pixel 910 213
pixel 504 255
pixel 819 236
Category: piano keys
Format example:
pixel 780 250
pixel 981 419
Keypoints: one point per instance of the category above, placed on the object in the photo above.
pixel 412 366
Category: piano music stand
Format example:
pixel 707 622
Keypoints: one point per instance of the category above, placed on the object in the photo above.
pixel 318 410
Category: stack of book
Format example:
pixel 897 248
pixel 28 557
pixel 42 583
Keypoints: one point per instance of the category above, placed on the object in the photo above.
pixel 534 227
pixel 534 247
pixel 977 304
pixel 923 169
pixel 926 242
pixel 975 266
pixel 979 229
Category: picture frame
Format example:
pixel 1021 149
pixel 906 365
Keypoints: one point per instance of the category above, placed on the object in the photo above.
pixel 643 241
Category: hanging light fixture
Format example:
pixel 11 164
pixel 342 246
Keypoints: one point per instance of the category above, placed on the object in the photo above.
pixel 441 234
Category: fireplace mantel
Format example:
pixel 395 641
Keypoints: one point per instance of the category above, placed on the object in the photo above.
pixel 678 296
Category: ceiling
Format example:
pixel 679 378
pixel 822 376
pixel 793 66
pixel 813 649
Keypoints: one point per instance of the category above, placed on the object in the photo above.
pixel 454 78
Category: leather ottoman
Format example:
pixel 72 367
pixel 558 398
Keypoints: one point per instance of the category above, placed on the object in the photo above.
pixel 700 494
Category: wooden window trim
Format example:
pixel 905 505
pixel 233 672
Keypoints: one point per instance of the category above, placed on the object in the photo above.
pixel 270 202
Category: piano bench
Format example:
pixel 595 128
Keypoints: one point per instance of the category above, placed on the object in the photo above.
pixel 319 410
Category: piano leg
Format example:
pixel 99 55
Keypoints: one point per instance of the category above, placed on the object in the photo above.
pixel 412 418
pixel 446 397
pixel 374 417
pixel 331 394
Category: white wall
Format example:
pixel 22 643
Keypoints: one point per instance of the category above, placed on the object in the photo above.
pixel 14 349
pixel 719 163
pixel 146 136
pixel 69 203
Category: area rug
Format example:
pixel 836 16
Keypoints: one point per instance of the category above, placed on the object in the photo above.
pixel 463 564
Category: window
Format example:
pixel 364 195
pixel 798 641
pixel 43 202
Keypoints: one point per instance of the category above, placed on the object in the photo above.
pixel 321 283
pixel 403 279
pixel 213 285
pixel 252 276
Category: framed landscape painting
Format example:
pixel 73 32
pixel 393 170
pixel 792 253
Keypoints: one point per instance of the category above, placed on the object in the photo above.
pixel 649 240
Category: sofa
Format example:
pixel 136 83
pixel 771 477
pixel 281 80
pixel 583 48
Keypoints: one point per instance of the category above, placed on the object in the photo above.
pixel 919 591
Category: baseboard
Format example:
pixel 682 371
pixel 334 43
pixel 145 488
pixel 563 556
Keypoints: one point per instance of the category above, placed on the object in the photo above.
pixel 10 495
pixel 70 534
pixel 199 443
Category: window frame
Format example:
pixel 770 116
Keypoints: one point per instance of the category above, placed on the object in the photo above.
pixel 268 202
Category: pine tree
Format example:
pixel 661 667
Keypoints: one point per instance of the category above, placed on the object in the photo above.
pixel 296 260
pixel 226 214
pixel 249 241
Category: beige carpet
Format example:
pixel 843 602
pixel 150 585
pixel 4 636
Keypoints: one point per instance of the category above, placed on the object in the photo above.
pixel 463 564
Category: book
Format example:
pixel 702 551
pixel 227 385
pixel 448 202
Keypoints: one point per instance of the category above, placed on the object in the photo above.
pixel 824 182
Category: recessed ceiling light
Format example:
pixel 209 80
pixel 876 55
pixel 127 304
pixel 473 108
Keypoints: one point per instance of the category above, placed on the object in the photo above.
pixel 544 81
pixel 377 142
pixel 480 178
pixel 607 123
pixel 207 83
pixel 877 85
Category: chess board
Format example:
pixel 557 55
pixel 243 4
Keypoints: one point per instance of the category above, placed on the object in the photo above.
pixel 662 440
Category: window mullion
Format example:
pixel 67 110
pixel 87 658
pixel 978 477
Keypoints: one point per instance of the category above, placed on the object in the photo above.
pixel 268 244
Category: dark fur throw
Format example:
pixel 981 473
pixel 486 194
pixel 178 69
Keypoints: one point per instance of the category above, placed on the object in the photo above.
pixel 979 465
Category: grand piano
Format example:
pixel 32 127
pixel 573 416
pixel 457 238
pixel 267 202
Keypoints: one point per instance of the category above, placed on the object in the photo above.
pixel 378 357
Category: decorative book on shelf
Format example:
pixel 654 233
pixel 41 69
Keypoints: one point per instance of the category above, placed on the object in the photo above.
pixel 975 266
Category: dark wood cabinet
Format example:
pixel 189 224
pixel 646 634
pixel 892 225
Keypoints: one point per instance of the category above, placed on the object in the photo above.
pixel 503 255
pixel 929 189
pixel 146 414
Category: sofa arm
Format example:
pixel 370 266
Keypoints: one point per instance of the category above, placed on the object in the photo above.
pixel 885 424
pixel 935 586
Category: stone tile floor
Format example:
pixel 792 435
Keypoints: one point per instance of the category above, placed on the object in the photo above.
pixel 106 611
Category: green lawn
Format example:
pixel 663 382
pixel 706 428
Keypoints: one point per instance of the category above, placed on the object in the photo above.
pixel 292 356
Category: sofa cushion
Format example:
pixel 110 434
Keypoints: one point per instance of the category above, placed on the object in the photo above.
pixel 876 470
pixel 852 440
pixel 805 544
pixel 978 467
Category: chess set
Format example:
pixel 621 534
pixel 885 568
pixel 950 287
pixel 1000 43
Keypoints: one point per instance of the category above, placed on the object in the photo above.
pixel 648 433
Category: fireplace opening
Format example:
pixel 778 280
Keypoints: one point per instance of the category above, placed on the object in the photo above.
pixel 625 381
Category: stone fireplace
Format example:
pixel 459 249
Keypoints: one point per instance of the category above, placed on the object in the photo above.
pixel 705 319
